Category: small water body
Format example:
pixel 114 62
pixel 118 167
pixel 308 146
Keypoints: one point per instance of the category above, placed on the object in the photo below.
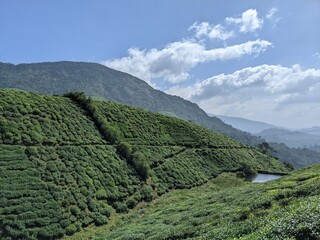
pixel 265 177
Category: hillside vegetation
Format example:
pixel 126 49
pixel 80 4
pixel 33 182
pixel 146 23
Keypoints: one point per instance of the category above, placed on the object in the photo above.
pixel 104 83
pixel 70 162
pixel 226 208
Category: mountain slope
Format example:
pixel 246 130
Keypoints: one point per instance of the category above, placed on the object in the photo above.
pixel 246 124
pixel 65 165
pixel 102 82
pixel 226 208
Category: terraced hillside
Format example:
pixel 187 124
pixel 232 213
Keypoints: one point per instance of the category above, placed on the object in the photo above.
pixel 70 162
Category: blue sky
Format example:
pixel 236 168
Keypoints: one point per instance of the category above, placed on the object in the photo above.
pixel 254 59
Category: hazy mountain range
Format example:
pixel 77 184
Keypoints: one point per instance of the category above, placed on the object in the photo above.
pixel 306 137
pixel 246 125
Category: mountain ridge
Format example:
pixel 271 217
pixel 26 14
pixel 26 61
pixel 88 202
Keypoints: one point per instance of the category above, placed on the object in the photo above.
pixel 246 125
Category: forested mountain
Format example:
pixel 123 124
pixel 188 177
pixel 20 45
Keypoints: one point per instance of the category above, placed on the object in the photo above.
pixel 105 83
pixel 70 162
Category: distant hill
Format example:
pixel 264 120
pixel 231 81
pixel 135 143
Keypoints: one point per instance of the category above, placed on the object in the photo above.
pixel 104 83
pixel 246 125
pixel 313 130
pixel 70 162
pixel 290 138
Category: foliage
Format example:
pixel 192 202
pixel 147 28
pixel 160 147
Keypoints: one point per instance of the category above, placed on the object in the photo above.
pixel 30 119
pixel 227 208
pixel 28 206
pixel 298 157
pixel 125 150
pixel 247 170
pixel 109 132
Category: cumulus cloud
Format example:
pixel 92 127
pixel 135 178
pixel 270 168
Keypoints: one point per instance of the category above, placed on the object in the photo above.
pixel 263 92
pixel 205 29
pixel 248 22
pixel 174 61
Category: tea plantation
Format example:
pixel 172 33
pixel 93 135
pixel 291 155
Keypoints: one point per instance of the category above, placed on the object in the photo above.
pixel 68 162
pixel 225 208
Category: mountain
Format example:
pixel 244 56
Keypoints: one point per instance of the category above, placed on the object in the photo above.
pixel 313 130
pixel 246 125
pixel 70 162
pixel 95 80
pixel 290 138
pixel 226 208
pixel 102 82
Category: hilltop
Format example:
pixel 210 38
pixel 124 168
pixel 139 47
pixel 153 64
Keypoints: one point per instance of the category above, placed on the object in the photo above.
pixel 105 83
pixel 70 162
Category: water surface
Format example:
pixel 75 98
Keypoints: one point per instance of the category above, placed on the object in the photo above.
pixel 265 177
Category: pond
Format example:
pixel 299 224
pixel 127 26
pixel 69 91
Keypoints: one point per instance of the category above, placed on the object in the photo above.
pixel 265 177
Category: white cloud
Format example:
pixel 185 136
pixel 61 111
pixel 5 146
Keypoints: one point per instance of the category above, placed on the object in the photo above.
pixel 316 55
pixel 201 29
pixel 206 29
pixel 271 16
pixel 268 92
pixel 248 22
pixel 174 61
pixel 271 13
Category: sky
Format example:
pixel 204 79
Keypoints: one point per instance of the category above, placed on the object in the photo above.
pixel 256 59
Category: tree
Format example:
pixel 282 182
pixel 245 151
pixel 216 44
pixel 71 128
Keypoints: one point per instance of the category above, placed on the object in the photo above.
pixel 124 150
pixel 141 165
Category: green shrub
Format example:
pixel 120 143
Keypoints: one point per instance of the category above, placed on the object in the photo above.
pixel 71 229
pixel 146 193
pixel 124 149
pixel 120 207
pixel 247 170
pixel 131 203
pixel 75 211
pixel 65 223
pixel 141 165
pixel 102 194
pixel 99 219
